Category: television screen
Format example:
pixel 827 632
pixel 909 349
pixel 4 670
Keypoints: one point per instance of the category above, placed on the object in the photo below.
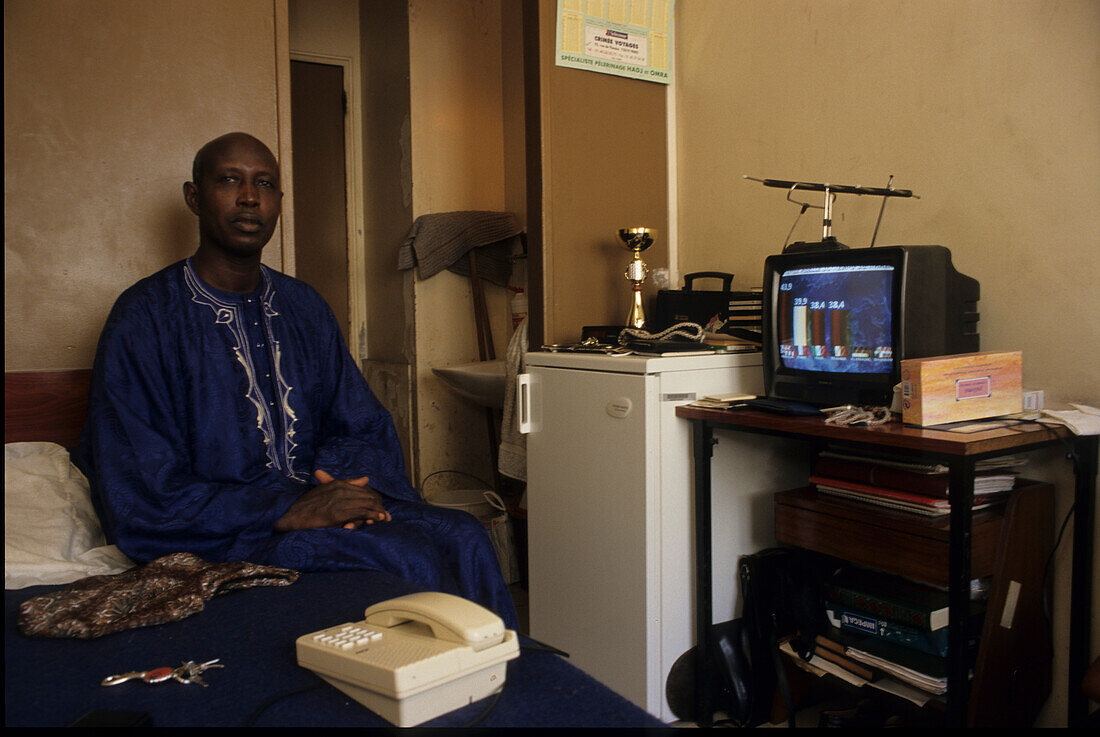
pixel 836 318
pixel 837 323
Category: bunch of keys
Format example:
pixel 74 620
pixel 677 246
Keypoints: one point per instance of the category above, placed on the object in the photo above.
pixel 188 673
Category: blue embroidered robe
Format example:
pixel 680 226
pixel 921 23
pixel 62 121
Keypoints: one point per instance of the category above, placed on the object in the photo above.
pixel 209 413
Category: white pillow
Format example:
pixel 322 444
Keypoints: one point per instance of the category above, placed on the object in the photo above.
pixel 51 532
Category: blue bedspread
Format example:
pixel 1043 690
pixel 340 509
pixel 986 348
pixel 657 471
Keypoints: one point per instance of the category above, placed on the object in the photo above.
pixel 54 682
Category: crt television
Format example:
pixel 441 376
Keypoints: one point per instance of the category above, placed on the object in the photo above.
pixel 837 323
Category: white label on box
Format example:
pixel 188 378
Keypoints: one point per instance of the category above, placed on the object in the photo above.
pixel 678 397
pixel 1009 612
pixel 979 388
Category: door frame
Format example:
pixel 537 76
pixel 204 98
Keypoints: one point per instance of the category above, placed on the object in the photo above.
pixel 353 187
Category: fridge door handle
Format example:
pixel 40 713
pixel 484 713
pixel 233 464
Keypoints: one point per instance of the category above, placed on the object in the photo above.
pixel 525 421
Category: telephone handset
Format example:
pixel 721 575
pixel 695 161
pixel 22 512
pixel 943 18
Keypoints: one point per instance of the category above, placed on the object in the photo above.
pixel 450 618
pixel 414 657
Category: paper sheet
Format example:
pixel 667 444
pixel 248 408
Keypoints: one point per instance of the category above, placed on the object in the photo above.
pixel 913 695
pixel 1082 420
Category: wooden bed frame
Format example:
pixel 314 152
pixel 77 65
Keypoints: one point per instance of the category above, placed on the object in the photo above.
pixel 46 405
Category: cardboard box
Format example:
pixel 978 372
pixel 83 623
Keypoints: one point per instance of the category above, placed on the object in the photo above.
pixel 968 386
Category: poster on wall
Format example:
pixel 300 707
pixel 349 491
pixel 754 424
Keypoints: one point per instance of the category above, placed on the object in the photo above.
pixel 627 38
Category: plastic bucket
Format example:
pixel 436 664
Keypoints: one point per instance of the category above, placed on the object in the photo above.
pixel 490 509
pixel 474 501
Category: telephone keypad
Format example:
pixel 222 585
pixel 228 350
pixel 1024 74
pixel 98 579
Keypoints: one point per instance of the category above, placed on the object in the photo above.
pixel 347 637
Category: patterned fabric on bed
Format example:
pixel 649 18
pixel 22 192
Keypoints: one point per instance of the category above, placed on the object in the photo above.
pixel 166 590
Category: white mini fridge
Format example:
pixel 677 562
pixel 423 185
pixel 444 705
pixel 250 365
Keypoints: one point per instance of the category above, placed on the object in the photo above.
pixel 610 508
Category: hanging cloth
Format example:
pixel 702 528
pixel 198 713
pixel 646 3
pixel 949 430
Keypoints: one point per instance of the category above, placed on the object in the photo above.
pixel 443 240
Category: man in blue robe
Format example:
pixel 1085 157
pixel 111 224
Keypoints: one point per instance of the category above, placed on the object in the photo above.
pixel 228 419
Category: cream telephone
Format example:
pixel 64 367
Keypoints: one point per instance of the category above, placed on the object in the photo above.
pixel 414 657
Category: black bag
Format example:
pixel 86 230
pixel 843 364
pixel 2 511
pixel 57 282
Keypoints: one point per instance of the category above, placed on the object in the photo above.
pixel 693 305
pixel 726 693
pixel 782 595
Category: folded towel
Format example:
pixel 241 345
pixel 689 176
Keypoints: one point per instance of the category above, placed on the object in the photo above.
pixel 443 241
pixel 512 459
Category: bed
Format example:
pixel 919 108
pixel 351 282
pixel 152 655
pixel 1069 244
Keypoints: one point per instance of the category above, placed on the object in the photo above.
pixel 56 681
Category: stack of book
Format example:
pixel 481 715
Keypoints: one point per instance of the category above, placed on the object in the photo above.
pixel 743 320
pixel 888 625
pixel 723 401
pixel 910 487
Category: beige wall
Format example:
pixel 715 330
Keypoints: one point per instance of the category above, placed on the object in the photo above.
pixel 603 153
pixel 457 135
pixel 387 207
pixel 515 138
pixel 387 167
pixel 101 120
pixel 987 109
pixel 426 149
pixel 327 32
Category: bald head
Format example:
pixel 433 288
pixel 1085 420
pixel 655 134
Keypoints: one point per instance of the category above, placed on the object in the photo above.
pixel 237 197
pixel 219 145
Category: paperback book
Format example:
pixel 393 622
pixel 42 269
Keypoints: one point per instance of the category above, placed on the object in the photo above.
pixel 869 625
pixel 895 499
pixel 893 477
pixel 834 652
pixel 889 597
pixel 926 672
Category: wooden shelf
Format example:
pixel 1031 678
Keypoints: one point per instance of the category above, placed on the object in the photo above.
pixel 892 436
pixel 1012 673
pixel 897 542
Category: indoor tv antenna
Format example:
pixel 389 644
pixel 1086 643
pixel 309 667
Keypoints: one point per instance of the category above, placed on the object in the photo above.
pixel 828 242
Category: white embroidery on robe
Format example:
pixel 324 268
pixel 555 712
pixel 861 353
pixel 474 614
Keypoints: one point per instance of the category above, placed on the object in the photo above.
pixel 228 314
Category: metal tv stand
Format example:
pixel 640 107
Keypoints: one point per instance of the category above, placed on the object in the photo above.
pixel 959 452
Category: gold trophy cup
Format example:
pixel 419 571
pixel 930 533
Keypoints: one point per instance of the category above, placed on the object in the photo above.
pixel 637 240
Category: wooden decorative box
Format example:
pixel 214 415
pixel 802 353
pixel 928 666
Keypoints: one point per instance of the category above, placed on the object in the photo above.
pixel 968 386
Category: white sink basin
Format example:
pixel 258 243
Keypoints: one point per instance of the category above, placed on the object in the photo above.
pixel 482 382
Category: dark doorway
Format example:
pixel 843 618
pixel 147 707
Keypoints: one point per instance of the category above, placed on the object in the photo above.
pixel 317 109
